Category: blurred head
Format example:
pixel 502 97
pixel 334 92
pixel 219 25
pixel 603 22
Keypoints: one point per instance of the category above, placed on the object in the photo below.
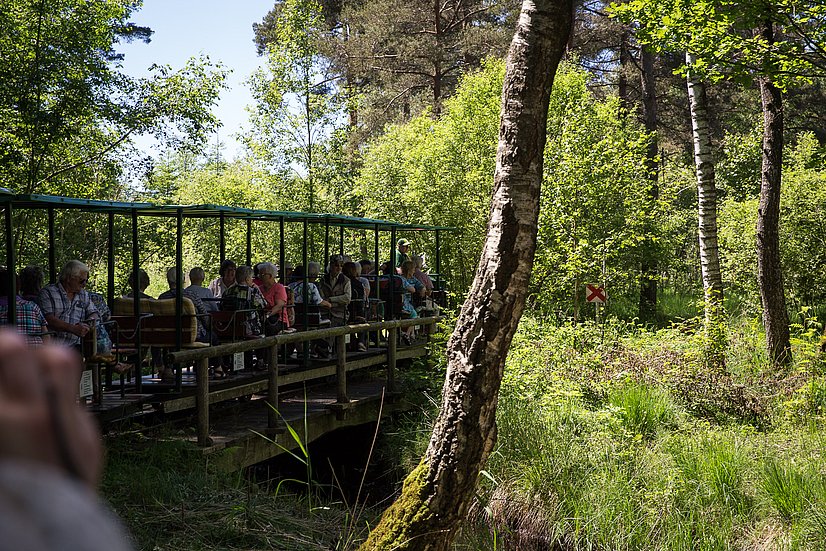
pixel 143 280
pixel 268 273
pixel 403 245
pixel 172 277
pixel 227 272
pixel 298 272
pixel 196 275
pixel 74 276
pixel 418 261
pixel 366 266
pixel 350 270
pixel 243 275
pixel 31 280
pixel 336 264
pixel 408 267
pixel 313 269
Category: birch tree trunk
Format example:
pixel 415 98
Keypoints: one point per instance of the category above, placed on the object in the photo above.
pixel 436 495
pixel 707 214
pixel 769 270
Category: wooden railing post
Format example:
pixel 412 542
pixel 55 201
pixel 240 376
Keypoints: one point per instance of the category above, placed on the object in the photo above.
pixel 392 340
pixel 202 401
pixel 341 370
pixel 272 390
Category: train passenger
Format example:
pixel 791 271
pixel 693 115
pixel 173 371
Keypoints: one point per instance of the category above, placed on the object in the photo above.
pixel 275 294
pixel 246 296
pixel 31 323
pixel 143 283
pixel 401 253
pixel 313 294
pixel 67 306
pixel 225 279
pixel 361 266
pixel 411 286
pixel 425 280
pixel 31 281
pixel 357 303
pixel 200 309
pixel 335 288
pixel 196 282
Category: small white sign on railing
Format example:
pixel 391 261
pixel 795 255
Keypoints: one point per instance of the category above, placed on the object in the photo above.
pixel 238 361
pixel 86 388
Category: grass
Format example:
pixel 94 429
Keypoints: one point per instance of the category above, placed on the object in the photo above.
pixel 626 441
pixel 613 437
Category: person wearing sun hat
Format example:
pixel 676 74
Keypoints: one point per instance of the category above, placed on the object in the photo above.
pixel 401 252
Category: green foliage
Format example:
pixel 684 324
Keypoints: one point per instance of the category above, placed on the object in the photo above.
pixel 441 172
pixel 66 110
pixel 802 224
pixel 720 35
pixel 296 105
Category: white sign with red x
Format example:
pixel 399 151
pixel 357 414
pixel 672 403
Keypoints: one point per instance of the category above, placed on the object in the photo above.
pixel 595 293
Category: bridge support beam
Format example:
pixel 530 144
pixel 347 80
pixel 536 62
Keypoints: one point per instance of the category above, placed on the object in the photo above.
pixel 272 389
pixel 341 371
pixel 202 401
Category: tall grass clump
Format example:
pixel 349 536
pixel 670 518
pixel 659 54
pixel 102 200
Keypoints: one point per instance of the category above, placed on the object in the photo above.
pixel 644 410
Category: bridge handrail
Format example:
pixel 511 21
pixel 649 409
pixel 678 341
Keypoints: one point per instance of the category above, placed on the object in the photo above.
pixel 186 356
pixel 201 358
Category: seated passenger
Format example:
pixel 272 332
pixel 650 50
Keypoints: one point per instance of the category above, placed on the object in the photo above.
pixel 335 288
pixel 243 295
pixel 143 283
pixel 67 306
pixel 297 286
pixel 275 295
pixel 425 280
pixel 363 269
pixel 410 286
pixel 31 281
pixel 31 323
pixel 225 279
pixel 196 280
pixel 357 303
pixel 201 311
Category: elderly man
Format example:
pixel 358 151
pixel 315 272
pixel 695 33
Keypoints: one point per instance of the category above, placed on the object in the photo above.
pixel 67 306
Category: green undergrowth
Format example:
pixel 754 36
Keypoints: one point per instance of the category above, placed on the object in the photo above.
pixel 171 500
pixel 621 438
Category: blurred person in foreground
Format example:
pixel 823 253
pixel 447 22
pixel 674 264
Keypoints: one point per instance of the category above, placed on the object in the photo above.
pixel 51 456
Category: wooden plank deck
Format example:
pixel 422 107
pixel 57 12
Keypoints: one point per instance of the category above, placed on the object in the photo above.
pixel 236 384
pixel 241 438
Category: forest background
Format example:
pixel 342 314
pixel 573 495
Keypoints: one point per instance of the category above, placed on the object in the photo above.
pixel 390 109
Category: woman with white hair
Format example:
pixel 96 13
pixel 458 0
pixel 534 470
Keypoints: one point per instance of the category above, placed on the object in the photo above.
pixel 67 306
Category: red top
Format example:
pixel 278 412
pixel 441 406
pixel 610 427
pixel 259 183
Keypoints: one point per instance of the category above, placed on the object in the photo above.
pixel 276 292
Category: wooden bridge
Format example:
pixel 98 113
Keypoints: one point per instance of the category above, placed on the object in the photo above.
pixel 312 396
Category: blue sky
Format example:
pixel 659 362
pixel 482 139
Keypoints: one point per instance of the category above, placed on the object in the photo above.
pixel 221 29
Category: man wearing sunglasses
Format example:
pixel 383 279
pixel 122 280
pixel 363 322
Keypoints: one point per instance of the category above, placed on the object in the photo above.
pixel 67 305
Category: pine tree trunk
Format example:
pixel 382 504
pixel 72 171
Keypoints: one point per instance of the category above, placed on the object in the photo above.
pixel 436 495
pixel 648 268
pixel 769 270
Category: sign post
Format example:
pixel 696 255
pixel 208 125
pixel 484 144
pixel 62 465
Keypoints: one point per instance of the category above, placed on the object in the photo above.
pixel 596 294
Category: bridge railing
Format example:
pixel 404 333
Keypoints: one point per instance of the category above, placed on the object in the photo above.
pixel 201 356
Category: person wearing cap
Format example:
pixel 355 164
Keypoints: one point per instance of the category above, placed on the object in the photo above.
pixel 402 250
